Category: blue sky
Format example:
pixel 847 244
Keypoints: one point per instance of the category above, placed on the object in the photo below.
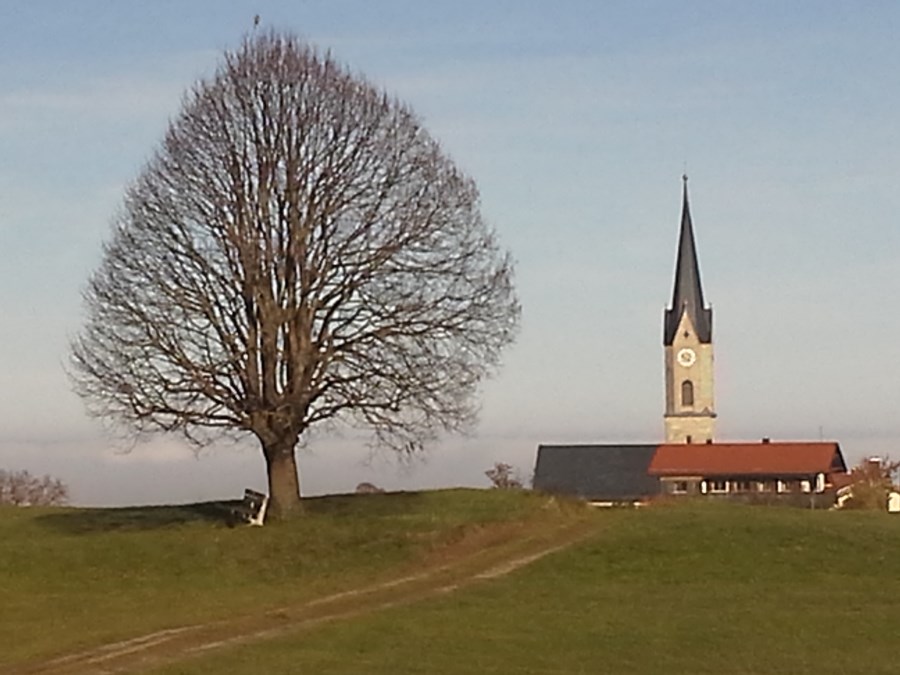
pixel 576 119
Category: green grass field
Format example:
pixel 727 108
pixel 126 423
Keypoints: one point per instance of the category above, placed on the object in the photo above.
pixel 698 588
pixel 76 578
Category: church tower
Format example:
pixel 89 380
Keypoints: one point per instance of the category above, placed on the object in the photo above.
pixel 687 337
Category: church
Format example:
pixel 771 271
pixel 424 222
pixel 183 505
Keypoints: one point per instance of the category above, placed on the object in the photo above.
pixel 691 461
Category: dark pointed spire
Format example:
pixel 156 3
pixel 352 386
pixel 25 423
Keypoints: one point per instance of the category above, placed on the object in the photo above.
pixel 687 295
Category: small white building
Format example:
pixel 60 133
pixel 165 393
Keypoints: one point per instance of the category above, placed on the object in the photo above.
pixel 893 502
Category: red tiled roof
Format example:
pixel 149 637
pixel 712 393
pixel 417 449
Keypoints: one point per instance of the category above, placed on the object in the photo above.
pixel 744 459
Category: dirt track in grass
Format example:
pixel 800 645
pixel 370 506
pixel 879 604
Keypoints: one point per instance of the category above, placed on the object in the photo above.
pixel 486 554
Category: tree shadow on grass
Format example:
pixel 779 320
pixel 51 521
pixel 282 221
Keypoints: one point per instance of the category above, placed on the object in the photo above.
pixel 352 504
pixel 136 518
pixel 221 513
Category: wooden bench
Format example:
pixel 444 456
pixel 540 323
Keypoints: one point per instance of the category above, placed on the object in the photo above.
pixel 252 510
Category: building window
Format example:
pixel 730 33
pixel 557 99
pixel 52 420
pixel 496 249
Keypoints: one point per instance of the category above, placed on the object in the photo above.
pixel 785 486
pixel 718 486
pixel 680 487
pixel 741 486
pixel 687 393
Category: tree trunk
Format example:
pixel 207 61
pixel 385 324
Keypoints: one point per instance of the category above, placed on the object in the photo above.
pixel 284 483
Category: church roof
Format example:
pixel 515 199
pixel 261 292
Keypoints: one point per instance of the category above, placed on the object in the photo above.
pixel 687 294
pixel 747 459
pixel 596 472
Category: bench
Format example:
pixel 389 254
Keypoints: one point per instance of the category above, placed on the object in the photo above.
pixel 252 509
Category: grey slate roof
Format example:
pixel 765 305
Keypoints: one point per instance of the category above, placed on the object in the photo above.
pixel 596 472
pixel 687 294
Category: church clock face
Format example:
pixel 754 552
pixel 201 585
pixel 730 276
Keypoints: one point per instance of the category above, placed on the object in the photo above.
pixel 686 357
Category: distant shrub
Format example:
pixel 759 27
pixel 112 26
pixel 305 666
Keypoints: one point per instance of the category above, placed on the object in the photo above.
pixel 368 489
pixel 870 482
pixel 504 477
pixel 20 488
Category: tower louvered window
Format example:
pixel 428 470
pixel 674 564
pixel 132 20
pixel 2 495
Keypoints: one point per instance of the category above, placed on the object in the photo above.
pixel 687 393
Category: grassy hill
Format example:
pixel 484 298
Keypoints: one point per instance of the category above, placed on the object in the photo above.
pixel 76 578
pixel 696 589
pixel 699 588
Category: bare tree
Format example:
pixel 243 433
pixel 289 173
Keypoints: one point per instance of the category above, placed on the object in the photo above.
pixel 504 476
pixel 870 483
pixel 20 488
pixel 298 251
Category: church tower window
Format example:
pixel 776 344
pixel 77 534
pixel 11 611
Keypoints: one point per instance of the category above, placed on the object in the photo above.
pixel 687 393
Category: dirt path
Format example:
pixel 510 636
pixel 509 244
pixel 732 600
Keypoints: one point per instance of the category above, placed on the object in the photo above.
pixel 489 555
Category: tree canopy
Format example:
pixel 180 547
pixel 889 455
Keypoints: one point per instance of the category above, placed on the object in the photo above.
pixel 298 251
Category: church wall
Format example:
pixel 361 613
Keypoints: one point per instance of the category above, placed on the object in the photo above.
pixel 699 428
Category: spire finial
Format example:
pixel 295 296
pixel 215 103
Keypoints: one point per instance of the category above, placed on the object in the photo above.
pixel 684 178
